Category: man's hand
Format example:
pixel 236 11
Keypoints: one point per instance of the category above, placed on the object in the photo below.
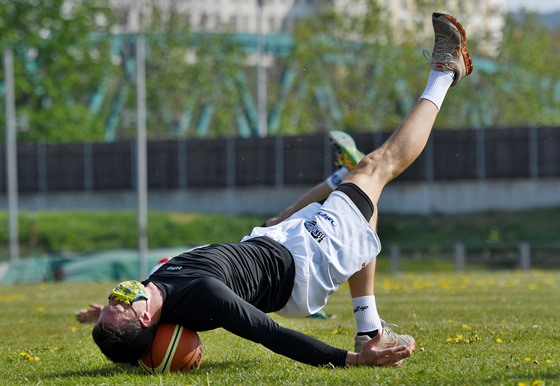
pixel 89 315
pixel 369 356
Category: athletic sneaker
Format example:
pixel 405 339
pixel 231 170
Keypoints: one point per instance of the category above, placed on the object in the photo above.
pixel 385 339
pixel 347 153
pixel 450 49
pixel 321 315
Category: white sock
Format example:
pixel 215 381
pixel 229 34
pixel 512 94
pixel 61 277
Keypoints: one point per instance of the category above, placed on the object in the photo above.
pixel 365 314
pixel 439 83
pixel 336 178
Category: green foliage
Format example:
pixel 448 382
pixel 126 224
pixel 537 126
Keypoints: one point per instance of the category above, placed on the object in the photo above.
pixel 530 81
pixel 56 66
pixel 352 71
pixel 220 61
pixel 348 74
pixel 526 42
pixel 187 70
pixel 373 71
pixel 57 232
pixel 475 329
pixel 530 225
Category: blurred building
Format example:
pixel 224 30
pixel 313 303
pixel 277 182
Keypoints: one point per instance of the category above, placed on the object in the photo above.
pixel 483 19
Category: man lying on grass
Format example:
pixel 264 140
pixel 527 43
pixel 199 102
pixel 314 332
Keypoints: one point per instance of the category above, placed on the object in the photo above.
pixel 366 315
pixel 292 267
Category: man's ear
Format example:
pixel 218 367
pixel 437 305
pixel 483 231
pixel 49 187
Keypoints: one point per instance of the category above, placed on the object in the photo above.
pixel 145 319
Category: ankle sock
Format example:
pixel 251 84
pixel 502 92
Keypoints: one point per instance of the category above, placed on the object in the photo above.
pixel 366 315
pixel 371 334
pixel 439 83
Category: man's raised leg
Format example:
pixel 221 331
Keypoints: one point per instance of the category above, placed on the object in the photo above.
pixel 450 63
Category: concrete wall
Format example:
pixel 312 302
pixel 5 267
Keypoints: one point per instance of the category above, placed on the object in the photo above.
pixel 399 197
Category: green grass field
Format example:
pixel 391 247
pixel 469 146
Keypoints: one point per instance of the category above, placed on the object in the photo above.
pixel 491 328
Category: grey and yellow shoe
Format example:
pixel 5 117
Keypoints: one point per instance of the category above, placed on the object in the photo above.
pixel 450 48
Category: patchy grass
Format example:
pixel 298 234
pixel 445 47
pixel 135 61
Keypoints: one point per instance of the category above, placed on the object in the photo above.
pixel 478 328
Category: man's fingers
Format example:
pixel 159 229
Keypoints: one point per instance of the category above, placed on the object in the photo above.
pixel 398 355
pixel 391 351
pixel 389 357
pixel 89 315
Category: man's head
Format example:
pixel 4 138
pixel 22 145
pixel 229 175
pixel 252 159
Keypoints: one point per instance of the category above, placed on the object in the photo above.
pixel 124 331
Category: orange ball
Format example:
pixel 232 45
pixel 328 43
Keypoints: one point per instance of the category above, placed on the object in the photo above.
pixel 175 348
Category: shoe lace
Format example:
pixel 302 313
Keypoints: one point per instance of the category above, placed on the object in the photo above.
pixel 389 325
pixel 391 335
pixel 388 330
pixel 440 54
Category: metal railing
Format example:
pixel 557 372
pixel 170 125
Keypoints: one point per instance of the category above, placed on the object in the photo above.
pixel 276 161
pixel 461 257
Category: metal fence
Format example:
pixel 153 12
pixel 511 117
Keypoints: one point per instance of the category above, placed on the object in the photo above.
pixel 462 257
pixel 276 161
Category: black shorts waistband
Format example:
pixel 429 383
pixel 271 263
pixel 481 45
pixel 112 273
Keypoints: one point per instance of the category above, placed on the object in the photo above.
pixel 359 198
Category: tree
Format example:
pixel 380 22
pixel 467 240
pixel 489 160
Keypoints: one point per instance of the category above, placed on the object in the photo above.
pixel 528 81
pixel 349 70
pixel 187 97
pixel 371 73
pixel 57 66
pixel 356 71
pixel 190 79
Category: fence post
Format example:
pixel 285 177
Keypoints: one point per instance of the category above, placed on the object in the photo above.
pixel 88 167
pixel 525 256
pixel 533 152
pixel 459 257
pixel 480 154
pixel 182 167
pixel 279 161
pixel 42 166
pixel 230 164
pixel 429 165
pixel 11 153
pixel 328 162
pixel 395 257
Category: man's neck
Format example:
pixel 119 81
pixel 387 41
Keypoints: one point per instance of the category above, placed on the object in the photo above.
pixel 155 303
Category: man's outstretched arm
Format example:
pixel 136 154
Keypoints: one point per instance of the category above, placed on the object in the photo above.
pixel 89 315
pixel 229 311
pixel 316 194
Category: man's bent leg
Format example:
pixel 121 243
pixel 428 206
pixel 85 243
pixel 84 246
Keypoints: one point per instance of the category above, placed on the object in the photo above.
pixel 368 322
pixel 362 289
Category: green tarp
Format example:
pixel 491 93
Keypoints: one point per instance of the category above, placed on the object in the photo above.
pixel 101 266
